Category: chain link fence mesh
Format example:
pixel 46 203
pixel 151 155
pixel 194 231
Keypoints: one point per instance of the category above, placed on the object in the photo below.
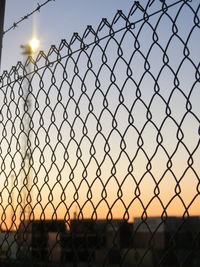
pixel 99 148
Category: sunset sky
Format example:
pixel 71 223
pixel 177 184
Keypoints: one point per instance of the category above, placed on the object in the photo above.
pixel 57 20
pixel 149 163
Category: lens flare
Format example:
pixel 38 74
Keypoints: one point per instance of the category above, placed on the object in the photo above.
pixel 34 44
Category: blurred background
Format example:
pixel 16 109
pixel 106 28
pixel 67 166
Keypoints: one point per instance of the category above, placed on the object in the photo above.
pixel 55 21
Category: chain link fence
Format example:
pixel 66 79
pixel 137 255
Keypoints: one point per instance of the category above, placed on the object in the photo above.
pixel 99 147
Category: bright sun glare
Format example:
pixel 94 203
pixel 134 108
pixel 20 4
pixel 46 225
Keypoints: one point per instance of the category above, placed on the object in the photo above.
pixel 34 44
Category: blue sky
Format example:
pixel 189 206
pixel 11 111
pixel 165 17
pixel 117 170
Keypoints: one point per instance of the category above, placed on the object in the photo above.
pixel 57 20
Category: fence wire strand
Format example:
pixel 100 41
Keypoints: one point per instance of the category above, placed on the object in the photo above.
pixel 27 16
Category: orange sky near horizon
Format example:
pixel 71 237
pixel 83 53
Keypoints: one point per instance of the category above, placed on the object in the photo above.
pixel 111 134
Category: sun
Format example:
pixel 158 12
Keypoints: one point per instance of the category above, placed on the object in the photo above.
pixel 34 44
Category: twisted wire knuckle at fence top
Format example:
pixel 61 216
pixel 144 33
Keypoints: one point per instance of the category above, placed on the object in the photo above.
pixel 99 131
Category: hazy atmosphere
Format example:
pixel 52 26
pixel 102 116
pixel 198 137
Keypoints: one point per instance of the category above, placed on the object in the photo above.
pixel 100 133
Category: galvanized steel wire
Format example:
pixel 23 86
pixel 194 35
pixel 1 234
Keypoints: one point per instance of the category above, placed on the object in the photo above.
pixel 27 16
pixel 104 126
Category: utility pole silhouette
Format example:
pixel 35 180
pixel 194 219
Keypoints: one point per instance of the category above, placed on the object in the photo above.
pixel 26 142
pixel 2 12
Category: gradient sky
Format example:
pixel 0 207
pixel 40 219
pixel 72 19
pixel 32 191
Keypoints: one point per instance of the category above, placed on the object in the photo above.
pixel 57 20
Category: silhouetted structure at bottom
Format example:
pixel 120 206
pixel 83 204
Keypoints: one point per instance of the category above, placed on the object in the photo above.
pixel 168 242
pixel 40 240
pixel 96 241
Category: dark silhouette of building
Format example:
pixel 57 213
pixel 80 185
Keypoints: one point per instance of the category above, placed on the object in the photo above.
pixel 95 241
pixel 170 241
pixel 39 240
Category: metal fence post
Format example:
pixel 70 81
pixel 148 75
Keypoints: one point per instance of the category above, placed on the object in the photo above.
pixel 2 12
